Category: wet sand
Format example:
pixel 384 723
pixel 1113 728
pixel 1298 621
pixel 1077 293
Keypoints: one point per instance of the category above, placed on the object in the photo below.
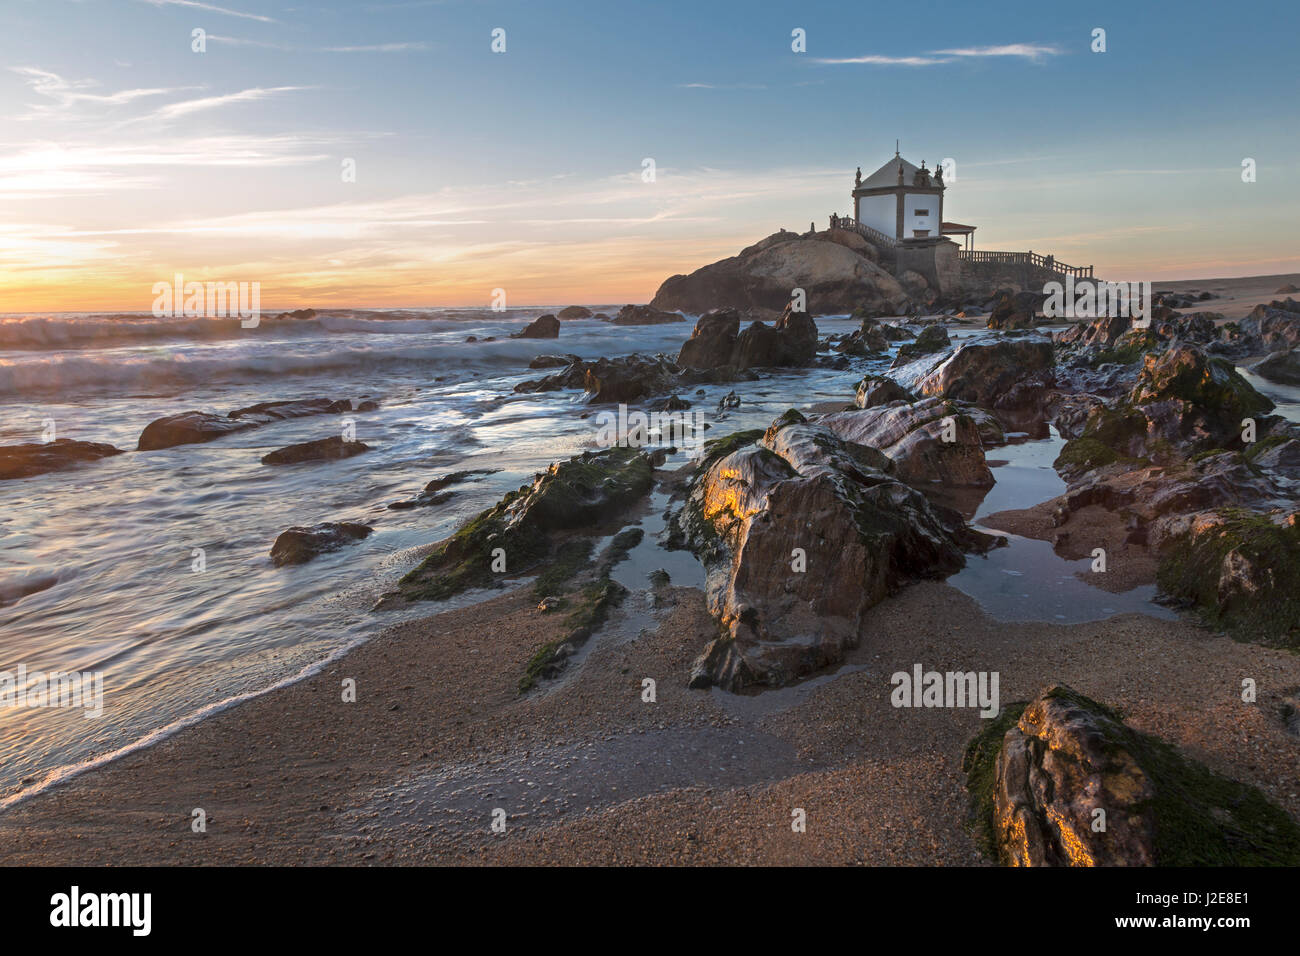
pixel 587 772
pixel 1234 298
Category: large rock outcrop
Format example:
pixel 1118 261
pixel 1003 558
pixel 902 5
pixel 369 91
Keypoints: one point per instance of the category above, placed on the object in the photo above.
pixel 717 341
pixel 1062 781
pixel 835 277
pixel 542 327
pixel 861 534
pixel 1013 374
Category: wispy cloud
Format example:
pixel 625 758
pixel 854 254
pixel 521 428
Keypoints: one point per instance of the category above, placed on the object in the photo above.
pixel 1035 52
pixel 376 48
pixel 722 86
pixel 211 8
pixel 186 107
pixel 1028 51
pixel 68 94
pixel 402 47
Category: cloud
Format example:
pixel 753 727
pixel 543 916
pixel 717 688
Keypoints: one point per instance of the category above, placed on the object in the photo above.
pixel 186 107
pixel 196 5
pixel 721 86
pixel 68 94
pixel 1028 51
pixel 376 48
pixel 885 60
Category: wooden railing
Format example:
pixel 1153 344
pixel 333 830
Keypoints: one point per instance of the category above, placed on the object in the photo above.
pixel 866 232
pixel 1050 263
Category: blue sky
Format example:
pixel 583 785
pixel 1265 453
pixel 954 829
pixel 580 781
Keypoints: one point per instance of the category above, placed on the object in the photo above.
pixel 127 156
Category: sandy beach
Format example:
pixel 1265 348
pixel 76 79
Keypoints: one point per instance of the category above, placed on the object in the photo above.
pixel 588 773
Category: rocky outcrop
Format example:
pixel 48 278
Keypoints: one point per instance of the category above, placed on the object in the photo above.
pixel 932 338
pixel 931 441
pixel 712 340
pixel 717 341
pixel 575 312
pixel 835 278
pixel 1274 327
pixel 37 458
pixel 628 380
pixel 189 428
pixel 1240 570
pixel 300 545
pixel 1062 781
pixel 1015 310
pixel 1281 367
pixel 876 390
pixel 1012 374
pixel 552 361
pixel 323 449
pixel 645 315
pixel 860 532
pixel 578 493
pixel 1193 400
pixel 542 327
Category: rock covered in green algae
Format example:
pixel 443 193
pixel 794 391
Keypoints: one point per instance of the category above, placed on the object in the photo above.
pixel 1240 569
pixel 1039 774
pixel 577 493
pixel 859 532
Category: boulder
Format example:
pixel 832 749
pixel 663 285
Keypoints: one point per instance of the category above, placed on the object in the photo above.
pixel 712 340
pixel 1195 401
pixel 932 338
pixel 553 361
pixel 300 545
pixel 1281 367
pixel 628 379
pixel 575 312
pixel 1043 775
pixel 37 458
pixel 581 492
pixel 645 315
pixel 542 327
pixel 189 428
pixel 835 277
pixel 1015 310
pixel 876 390
pixel 1272 328
pixel 932 441
pixel 863 533
pixel 323 449
pixel 1014 374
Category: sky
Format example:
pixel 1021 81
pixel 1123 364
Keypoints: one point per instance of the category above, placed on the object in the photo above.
pixel 128 156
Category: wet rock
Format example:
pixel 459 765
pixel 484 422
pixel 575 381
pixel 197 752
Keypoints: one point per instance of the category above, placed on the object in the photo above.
pixel 280 411
pixel 1281 367
pixel 189 428
pixel 578 493
pixel 628 379
pixel 370 405
pixel 645 315
pixel 670 404
pixel 553 361
pixel 863 534
pixel 1193 400
pixel 575 312
pixel 1015 310
pixel 712 340
pixel 1272 327
pixel 542 327
pixel 1040 774
pixel 323 449
pixel 932 441
pixel 37 458
pixel 933 338
pixel 434 494
pixel 876 390
pixel 1239 569
pixel 1011 374
pixel 298 314
pixel 300 545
